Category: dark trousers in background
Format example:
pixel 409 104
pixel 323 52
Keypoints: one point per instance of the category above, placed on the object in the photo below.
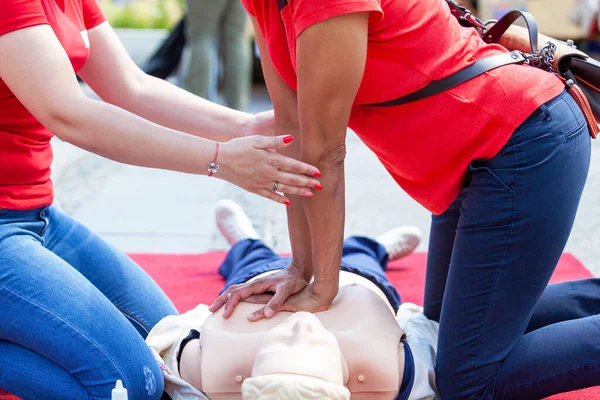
pixel 361 255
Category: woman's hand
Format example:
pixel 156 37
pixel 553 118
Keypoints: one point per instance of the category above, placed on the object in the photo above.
pixel 261 124
pixel 247 162
pixel 307 300
pixel 273 289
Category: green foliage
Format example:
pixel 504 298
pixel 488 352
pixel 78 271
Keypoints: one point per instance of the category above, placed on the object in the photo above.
pixel 143 14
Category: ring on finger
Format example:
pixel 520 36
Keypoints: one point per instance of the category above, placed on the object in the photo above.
pixel 275 187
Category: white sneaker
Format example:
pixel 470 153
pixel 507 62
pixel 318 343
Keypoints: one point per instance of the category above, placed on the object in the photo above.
pixel 401 241
pixel 233 223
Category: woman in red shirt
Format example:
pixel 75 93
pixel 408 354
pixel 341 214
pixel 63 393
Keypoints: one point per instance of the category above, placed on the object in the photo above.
pixel 72 305
pixel 501 162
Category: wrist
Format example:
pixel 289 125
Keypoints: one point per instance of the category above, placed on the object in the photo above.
pixel 243 125
pixel 303 269
pixel 224 160
pixel 325 289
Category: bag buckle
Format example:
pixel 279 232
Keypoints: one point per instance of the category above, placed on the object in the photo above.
pixel 543 59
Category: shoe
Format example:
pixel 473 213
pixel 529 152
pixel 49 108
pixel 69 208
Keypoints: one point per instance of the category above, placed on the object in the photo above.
pixel 401 241
pixel 233 223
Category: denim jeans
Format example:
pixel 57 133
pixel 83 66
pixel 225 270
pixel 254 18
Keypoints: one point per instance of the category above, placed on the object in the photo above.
pixel 361 255
pixel 491 255
pixel 74 312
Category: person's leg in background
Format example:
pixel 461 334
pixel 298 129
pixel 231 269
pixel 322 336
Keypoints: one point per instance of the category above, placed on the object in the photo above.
pixel 516 213
pixel 248 256
pixel 202 28
pixel 369 257
pixel 237 55
pixel 60 337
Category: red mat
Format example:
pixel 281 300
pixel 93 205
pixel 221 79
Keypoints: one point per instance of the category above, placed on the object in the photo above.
pixel 193 279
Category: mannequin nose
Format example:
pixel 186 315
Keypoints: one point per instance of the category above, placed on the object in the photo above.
pixel 305 323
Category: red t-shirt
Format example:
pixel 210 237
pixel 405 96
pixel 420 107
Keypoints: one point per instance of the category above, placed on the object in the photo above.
pixel 25 151
pixel 425 145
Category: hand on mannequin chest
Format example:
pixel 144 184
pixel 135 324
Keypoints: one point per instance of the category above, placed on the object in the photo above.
pixel 356 341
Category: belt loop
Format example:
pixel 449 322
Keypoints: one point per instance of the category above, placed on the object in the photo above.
pixel 547 114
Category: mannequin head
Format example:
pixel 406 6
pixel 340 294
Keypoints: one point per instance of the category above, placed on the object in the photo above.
pixel 300 345
pixel 298 359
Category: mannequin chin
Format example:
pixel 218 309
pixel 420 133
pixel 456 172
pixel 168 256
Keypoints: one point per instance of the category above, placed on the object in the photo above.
pixel 291 386
pixel 302 355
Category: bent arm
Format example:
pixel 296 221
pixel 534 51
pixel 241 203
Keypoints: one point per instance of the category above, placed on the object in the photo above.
pixel 45 83
pixel 112 74
pixel 331 58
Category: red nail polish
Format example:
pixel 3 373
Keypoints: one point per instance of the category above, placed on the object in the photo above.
pixel 287 203
pixel 318 187
pixel 288 139
pixel 317 174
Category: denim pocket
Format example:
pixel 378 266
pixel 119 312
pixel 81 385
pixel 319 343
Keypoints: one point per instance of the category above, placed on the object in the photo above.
pixel 568 117
pixel 480 167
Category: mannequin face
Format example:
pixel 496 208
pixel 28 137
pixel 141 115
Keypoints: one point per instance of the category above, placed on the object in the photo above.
pixel 300 345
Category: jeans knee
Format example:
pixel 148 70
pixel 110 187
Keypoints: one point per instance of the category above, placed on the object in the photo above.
pixel 143 379
pixel 455 383
pixel 451 384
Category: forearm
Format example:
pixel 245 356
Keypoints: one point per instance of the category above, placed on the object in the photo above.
pixel 122 136
pixel 299 231
pixel 324 121
pixel 325 214
pixel 330 60
pixel 517 38
pixel 165 104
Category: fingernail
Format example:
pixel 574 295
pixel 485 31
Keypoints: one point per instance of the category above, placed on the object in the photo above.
pixel 268 312
pixel 317 175
pixel 287 203
pixel 318 186
pixel 252 316
pixel 288 139
pixel 308 193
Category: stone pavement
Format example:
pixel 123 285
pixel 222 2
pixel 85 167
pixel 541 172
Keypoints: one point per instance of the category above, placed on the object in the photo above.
pixel 143 210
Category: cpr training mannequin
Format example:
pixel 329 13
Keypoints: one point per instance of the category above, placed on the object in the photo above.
pixel 356 347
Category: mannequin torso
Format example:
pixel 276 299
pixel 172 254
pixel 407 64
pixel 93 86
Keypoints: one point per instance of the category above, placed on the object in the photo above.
pixel 360 318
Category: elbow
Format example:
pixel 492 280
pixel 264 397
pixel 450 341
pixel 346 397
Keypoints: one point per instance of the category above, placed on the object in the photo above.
pixel 325 156
pixel 128 91
pixel 62 121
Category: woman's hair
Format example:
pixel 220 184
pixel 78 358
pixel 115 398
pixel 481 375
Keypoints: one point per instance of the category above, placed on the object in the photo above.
pixel 287 386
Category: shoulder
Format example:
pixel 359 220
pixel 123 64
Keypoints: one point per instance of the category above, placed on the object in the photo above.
pixel 19 14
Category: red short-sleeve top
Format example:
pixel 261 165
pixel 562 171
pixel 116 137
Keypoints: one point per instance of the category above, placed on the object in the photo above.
pixel 425 145
pixel 25 151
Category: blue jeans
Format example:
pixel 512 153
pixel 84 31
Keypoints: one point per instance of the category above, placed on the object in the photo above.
pixel 491 255
pixel 360 255
pixel 74 312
